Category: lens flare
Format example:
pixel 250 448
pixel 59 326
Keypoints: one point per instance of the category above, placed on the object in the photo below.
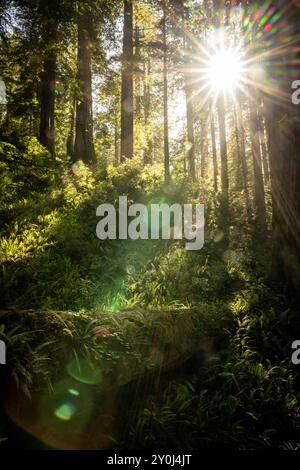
pixel 225 70
pixel 65 411
pixel 130 269
pixel 76 168
pixel 85 372
pixel 73 392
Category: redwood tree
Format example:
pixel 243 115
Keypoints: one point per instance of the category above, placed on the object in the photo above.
pixel 84 142
pixel 283 119
pixel 166 113
pixel 127 84
pixel 48 78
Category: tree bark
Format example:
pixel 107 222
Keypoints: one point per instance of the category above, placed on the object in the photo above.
pixel 148 153
pixel 282 120
pixel 204 147
pixel 48 77
pixel 116 138
pixel 138 74
pixel 263 146
pixel 224 213
pixel 71 136
pixel 284 173
pixel 127 109
pixel 218 15
pixel 259 190
pixel 84 141
pixel 238 158
pixel 190 129
pixel 166 112
pixel 214 150
pixel 242 142
pixel 188 87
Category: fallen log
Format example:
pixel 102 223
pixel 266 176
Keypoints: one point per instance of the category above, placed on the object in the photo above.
pixel 66 370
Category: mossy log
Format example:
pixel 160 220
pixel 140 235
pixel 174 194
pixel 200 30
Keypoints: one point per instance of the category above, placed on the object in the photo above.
pixel 66 370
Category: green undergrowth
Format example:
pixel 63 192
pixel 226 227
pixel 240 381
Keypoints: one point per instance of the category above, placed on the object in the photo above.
pixel 135 307
pixel 244 397
pixel 126 343
pixel 51 258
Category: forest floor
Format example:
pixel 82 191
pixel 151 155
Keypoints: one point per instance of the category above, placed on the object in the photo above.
pixel 135 344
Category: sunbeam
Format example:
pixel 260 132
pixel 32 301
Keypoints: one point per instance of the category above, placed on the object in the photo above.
pixel 224 71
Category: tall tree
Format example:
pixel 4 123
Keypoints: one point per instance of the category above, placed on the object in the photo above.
pixel 283 119
pixel 116 136
pixel 218 13
pixel 259 191
pixel 179 12
pixel 242 149
pixel 188 89
pixel 148 152
pixel 263 146
pixel 84 141
pixel 48 77
pixel 214 149
pixel 238 159
pixel 127 109
pixel 203 146
pixel 48 11
pixel 165 98
pixel 139 73
pixel 224 163
pixel 39 38
pixel 71 135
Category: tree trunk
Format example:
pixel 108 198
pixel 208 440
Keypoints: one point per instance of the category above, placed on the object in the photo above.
pixel 116 138
pixel 188 87
pixel 282 120
pixel 285 177
pixel 127 84
pixel 203 147
pixel 259 190
pixel 190 130
pixel 71 136
pixel 218 15
pixel 263 146
pixel 48 77
pixel 214 150
pixel 224 212
pixel 242 142
pixel 138 74
pixel 166 115
pixel 238 158
pixel 148 153
pixel 84 141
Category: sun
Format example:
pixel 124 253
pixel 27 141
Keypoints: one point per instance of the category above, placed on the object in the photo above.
pixel 225 71
pixel 223 68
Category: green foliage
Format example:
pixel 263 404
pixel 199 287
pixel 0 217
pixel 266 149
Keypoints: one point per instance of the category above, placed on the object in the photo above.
pixel 24 171
pixel 200 339
pixel 245 397
pixel 238 405
pixel 26 358
pixel 58 251
pixel 140 307
pixel 184 277
pixel 132 179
